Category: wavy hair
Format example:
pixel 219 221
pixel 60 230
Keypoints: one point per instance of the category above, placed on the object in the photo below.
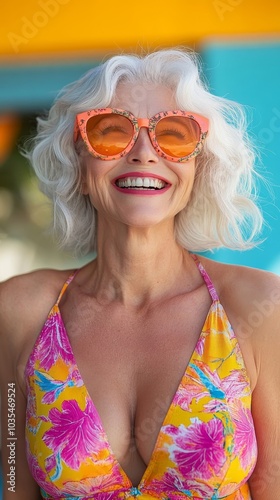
pixel 221 211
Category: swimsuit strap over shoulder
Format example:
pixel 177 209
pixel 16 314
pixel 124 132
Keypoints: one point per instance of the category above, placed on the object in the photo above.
pixel 206 277
pixel 65 285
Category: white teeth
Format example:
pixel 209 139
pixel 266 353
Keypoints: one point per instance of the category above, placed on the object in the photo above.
pixel 141 182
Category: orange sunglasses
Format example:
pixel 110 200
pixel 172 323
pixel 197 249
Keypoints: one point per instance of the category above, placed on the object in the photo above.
pixel 111 133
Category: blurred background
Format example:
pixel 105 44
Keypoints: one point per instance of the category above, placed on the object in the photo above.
pixel 46 44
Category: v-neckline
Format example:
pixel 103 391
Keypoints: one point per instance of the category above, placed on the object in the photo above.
pixel 168 412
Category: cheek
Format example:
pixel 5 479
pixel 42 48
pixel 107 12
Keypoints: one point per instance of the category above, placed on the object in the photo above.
pixel 95 186
pixel 186 174
pixel 92 173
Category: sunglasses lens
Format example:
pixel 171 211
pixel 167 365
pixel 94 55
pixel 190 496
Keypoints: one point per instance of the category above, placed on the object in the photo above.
pixel 109 134
pixel 177 136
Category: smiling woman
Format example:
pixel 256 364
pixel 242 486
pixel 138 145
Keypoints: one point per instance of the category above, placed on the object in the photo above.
pixel 137 374
pixel 226 155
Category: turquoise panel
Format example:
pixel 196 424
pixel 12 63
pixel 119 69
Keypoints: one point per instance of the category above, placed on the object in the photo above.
pixel 250 74
pixel 32 87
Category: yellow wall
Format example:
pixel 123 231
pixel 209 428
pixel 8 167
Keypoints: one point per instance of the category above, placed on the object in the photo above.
pixel 49 26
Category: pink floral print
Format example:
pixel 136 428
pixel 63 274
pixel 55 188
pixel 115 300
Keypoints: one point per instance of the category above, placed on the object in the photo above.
pixel 245 440
pixel 75 433
pixel 199 448
pixel 104 481
pixel 54 344
pixel 206 447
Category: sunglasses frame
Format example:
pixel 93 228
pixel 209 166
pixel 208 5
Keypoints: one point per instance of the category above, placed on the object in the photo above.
pixel 138 123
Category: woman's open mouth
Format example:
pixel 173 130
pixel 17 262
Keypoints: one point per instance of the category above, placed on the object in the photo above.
pixel 146 183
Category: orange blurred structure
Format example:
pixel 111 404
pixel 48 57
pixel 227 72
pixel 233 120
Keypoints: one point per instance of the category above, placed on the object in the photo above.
pixel 49 27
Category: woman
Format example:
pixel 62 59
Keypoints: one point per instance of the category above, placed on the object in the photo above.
pixel 150 376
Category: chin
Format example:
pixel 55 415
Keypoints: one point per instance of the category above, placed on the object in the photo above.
pixel 145 221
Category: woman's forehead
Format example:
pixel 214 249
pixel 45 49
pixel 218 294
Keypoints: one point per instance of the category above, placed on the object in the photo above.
pixel 143 99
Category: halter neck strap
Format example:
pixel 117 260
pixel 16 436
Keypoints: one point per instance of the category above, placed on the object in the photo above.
pixel 206 277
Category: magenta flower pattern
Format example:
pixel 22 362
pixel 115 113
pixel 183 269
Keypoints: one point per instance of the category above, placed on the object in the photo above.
pixel 245 440
pixel 98 483
pixel 75 433
pixel 54 344
pixel 198 449
pixel 206 447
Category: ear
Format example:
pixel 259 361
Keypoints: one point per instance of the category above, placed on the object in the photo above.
pixel 84 187
pixel 83 180
pixel 83 174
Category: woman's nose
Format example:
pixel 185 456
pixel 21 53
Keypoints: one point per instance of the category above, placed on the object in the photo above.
pixel 143 150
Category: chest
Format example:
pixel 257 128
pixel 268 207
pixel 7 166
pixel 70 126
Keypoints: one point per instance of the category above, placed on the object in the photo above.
pixel 132 364
pixel 130 352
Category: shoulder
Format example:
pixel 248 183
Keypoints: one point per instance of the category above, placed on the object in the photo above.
pixel 25 300
pixel 244 285
pixel 40 286
pixel 251 299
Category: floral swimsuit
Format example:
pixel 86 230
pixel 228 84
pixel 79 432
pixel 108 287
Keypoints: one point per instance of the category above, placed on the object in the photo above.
pixel 206 447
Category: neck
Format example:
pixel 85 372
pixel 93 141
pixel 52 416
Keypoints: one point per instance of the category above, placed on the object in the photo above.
pixel 137 266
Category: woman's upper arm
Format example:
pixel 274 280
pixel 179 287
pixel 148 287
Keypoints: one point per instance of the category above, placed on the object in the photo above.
pixel 18 483
pixel 265 480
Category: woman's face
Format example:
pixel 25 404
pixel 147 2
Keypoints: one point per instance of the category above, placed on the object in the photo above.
pixel 139 207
